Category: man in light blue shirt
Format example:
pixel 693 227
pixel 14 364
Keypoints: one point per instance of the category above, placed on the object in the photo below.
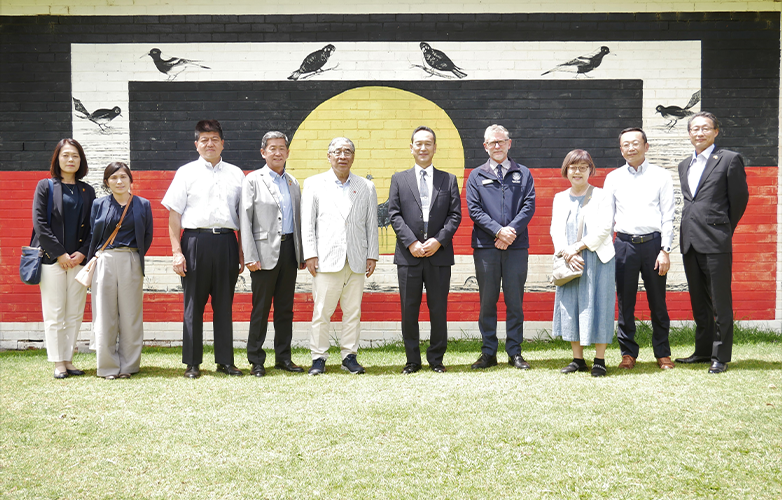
pixel 271 218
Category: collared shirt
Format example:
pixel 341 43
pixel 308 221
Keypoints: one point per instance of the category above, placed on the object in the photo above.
pixel 283 197
pixel 642 200
pixel 697 166
pixel 206 196
pixel 429 186
pixel 505 166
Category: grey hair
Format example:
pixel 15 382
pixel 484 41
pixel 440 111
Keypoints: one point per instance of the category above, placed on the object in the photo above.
pixel 274 134
pixel 495 128
pixel 337 140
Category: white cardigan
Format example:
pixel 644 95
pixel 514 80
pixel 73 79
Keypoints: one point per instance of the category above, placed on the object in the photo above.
pixel 598 218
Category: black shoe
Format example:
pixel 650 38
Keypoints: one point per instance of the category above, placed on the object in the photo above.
pixel 575 367
pixel 288 366
pixel 350 364
pixel 517 361
pixel 257 370
pixel 694 359
pixel 718 367
pixel 60 375
pixel 438 368
pixel 192 371
pixel 75 373
pixel 229 370
pixel 484 361
pixel 598 370
pixel 318 366
pixel 410 368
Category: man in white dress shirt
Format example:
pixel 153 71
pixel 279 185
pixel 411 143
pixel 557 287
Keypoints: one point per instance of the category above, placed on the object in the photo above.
pixel 203 202
pixel 642 199
pixel 340 241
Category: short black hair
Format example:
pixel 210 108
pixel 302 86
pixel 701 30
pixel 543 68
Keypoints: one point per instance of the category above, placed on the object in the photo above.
pixel 634 129
pixel 425 129
pixel 704 114
pixel 208 126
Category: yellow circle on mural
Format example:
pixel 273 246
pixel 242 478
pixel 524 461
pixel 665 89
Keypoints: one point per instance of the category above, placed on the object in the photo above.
pixel 379 121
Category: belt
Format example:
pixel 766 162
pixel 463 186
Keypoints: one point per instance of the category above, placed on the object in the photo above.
pixel 638 238
pixel 286 236
pixel 213 230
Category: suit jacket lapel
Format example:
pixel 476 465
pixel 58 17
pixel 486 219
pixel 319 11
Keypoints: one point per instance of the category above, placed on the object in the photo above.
pixel 684 178
pixel 711 164
pixel 346 208
pixel 437 181
pixel 295 196
pixel 267 180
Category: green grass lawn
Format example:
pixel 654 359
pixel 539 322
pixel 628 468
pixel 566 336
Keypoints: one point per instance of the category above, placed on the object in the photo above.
pixel 502 433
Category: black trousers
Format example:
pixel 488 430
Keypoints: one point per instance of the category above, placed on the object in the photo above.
pixel 632 259
pixel 278 284
pixel 709 280
pixel 212 270
pixel 411 281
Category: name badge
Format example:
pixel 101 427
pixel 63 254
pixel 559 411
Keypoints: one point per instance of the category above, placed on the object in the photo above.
pixel 487 181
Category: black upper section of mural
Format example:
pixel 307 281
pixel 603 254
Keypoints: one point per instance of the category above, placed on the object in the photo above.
pixel 545 119
pixel 740 76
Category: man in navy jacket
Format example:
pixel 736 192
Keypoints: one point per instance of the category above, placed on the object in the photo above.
pixel 501 202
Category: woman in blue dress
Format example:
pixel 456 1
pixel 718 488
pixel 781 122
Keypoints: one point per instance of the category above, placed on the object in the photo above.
pixel 584 307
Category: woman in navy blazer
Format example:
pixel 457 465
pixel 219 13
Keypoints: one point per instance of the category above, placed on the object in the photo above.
pixel 117 284
pixel 64 238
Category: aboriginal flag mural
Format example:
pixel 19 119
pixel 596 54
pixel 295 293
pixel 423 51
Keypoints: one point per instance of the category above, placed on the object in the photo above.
pixel 138 101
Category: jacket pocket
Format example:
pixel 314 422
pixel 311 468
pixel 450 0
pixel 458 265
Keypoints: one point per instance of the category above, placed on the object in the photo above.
pixel 714 220
pixel 260 235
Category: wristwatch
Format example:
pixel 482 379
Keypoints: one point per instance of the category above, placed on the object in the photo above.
pixel 666 249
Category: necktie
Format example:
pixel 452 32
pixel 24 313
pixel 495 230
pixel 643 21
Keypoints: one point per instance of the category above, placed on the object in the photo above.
pixel 499 173
pixel 424 191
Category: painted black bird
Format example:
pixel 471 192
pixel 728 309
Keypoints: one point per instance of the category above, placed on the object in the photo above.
pixel 439 61
pixel 100 117
pixel 313 62
pixel 583 64
pixel 675 113
pixel 172 67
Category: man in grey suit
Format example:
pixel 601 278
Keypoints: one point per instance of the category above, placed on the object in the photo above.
pixel 425 211
pixel 340 240
pixel 715 192
pixel 271 220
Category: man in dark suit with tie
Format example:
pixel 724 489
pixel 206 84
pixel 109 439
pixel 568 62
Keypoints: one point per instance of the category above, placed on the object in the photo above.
pixel 714 187
pixel 425 211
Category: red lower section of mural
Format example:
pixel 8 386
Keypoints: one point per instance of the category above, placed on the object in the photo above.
pixel 754 267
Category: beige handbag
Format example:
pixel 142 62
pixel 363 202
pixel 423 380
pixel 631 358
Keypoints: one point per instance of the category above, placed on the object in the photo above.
pixel 85 275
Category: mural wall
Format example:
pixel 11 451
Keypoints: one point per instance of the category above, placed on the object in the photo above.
pixel 131 89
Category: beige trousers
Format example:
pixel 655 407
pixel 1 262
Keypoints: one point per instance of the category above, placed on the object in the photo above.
pixel 347 288
pixel 118 312
pixel 62 303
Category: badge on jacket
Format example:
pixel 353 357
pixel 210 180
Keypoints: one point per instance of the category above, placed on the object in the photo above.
pixel 516 177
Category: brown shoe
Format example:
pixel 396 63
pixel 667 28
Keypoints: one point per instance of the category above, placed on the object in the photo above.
pixel 628 362
pixel 665 363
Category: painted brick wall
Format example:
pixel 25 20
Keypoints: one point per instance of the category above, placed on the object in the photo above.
pixel 45 62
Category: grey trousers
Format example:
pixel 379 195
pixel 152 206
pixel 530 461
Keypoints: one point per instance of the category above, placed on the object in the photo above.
pixel 117 311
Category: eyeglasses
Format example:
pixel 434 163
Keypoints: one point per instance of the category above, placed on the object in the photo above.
pixel 705 130
pixel 342 152
pixel 578 168
pixel 494 144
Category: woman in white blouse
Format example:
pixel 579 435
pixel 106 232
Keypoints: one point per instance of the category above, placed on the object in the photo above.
pixel 584 307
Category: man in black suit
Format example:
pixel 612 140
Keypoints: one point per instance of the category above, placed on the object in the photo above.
pixel 425 211
pixel 714 187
